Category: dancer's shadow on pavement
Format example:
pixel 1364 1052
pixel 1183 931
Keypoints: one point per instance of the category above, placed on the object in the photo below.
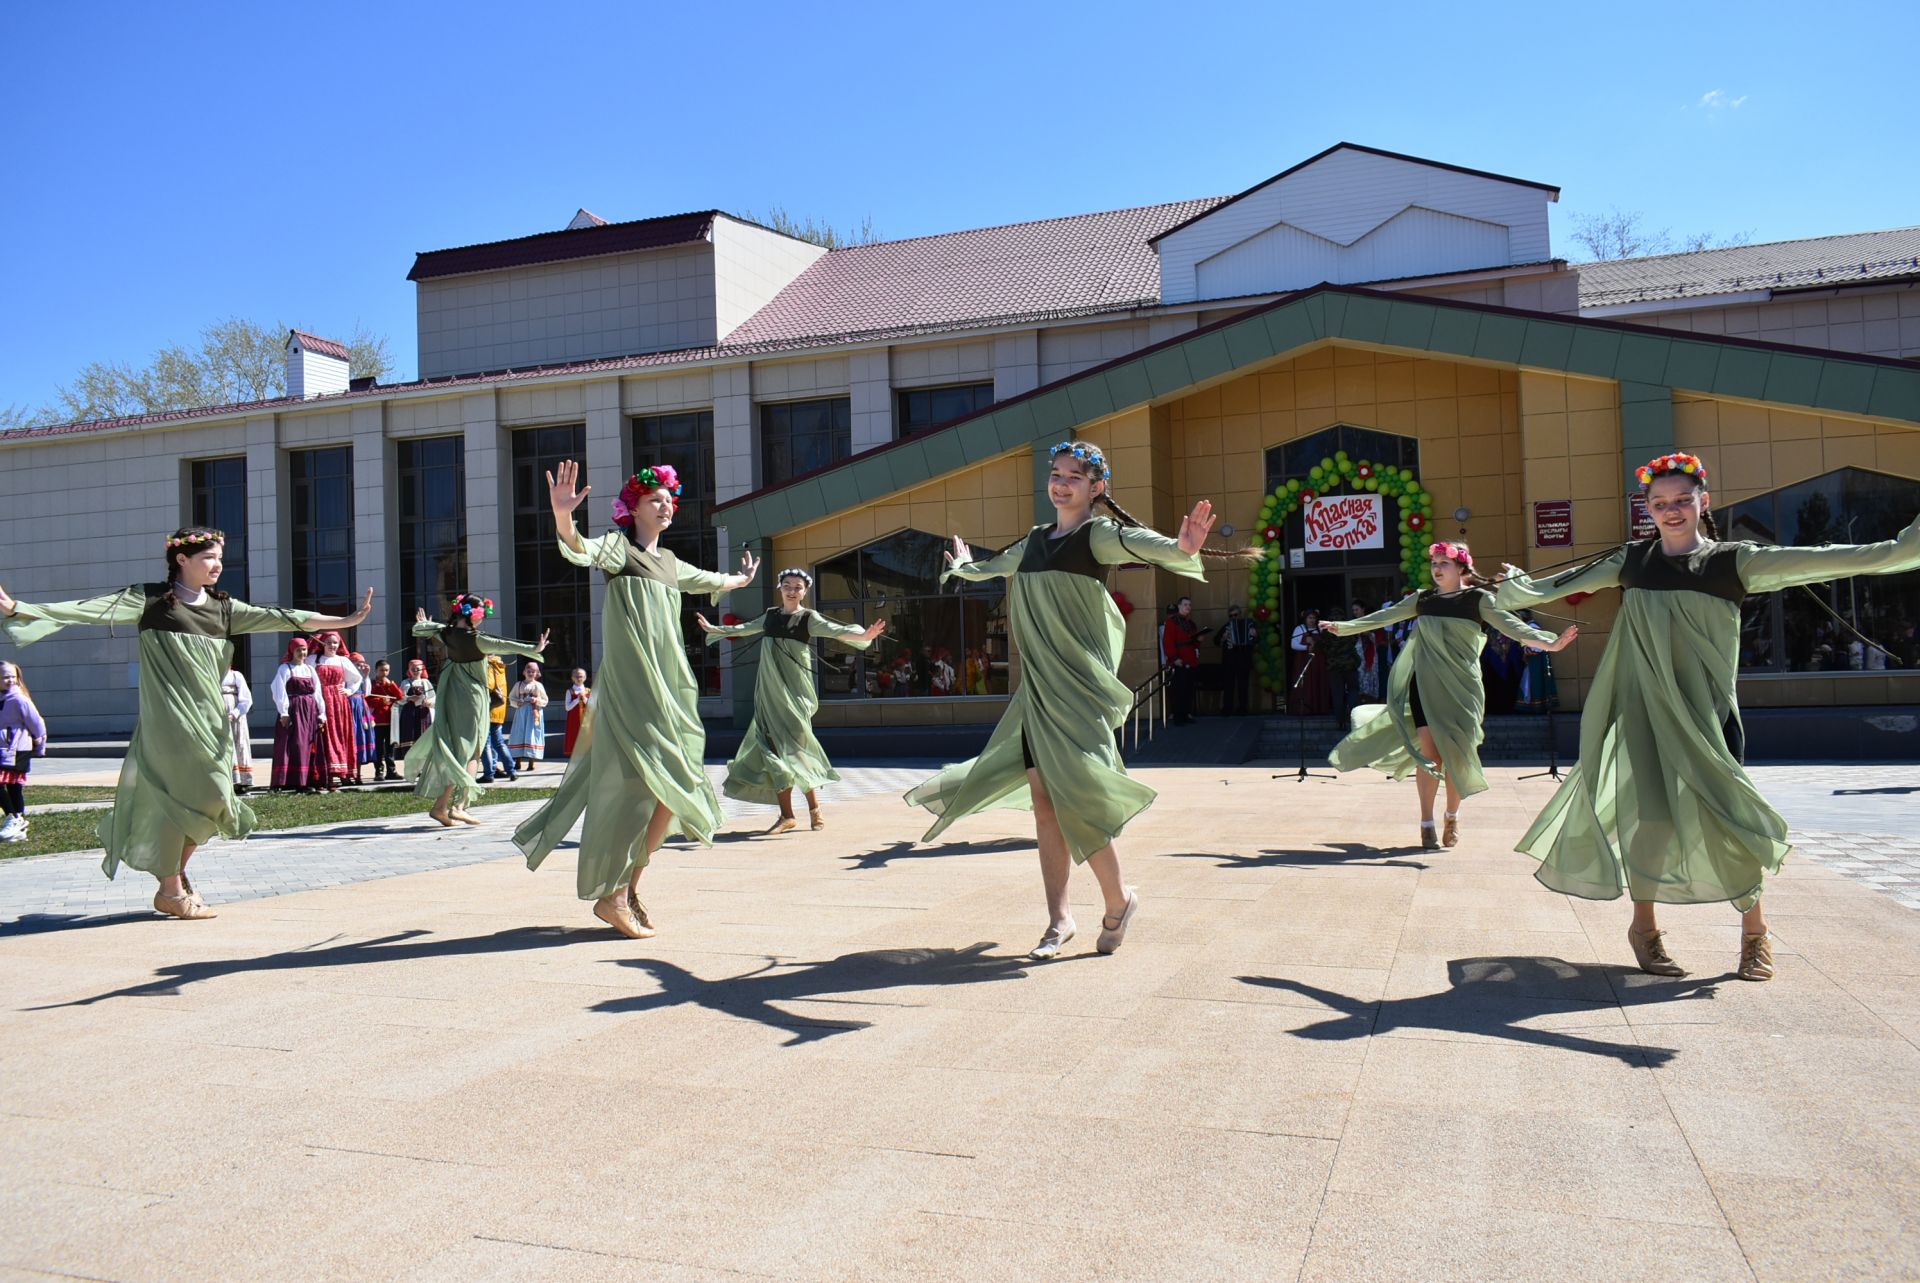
pixel 401 946
pixel 33 924
pixel 1337 855
pixel 752 996
pixel 910 850
pixel 1491 996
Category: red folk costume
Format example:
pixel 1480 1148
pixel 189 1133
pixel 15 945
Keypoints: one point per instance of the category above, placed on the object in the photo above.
pixel 338 679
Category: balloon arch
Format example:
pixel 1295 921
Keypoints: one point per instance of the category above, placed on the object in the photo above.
pixel 1334 473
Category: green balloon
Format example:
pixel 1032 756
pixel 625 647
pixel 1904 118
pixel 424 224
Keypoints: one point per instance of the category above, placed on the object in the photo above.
pixel 1327 461
pixel 1293 487
pixel 1341 455
pixel 1405 503
pixel 1373 483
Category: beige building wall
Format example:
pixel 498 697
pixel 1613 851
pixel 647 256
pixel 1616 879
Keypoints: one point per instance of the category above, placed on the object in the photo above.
pixel 580 310
pixel 1873 322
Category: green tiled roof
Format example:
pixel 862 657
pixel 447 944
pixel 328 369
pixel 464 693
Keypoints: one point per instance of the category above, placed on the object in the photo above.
pixel 1650 364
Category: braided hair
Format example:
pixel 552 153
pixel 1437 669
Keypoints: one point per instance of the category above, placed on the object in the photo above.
pixel 189 541
pixel 1094 461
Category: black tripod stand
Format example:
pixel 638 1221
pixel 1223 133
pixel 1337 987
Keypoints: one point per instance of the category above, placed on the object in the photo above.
pixel 1300 719
pixel 1553 741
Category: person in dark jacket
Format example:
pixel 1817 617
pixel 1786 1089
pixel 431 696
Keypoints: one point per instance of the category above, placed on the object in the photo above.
pixel 1235 638
pixel 1180 652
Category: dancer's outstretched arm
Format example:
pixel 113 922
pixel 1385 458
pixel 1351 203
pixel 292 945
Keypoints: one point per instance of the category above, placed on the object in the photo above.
pixel 1406 608
pixel 1766 569
pixel 1518 591
pixel 1521 631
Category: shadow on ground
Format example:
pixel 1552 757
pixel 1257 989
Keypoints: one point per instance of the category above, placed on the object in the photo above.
pixel 910 850
pixel 752 996
pixel 1353 854
pixel 33 924
pixel 1491 996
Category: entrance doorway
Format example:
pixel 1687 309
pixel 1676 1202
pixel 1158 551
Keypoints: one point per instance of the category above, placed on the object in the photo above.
pixel 1332 593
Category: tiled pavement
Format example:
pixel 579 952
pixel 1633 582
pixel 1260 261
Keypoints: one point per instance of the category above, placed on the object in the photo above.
pixel 1861 820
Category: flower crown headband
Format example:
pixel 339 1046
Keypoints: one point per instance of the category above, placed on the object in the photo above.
pixel 189 541
pixel 1666 464
pixel 1087 453
pixel 661 476
pixel 797 573
pixel 1452 552
pixel 471 606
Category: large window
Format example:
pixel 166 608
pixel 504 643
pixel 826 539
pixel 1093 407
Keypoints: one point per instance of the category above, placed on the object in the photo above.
pixel 797 437
pixel 921 409
pixel 219 499
pixel 686 442
pixel 433 535
pixel 549 591
pixel 937 643
pixel 320 522
pixel 1791 631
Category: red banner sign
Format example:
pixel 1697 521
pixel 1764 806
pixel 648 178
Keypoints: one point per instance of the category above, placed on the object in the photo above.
pixel 1553 523
pixel 1344 521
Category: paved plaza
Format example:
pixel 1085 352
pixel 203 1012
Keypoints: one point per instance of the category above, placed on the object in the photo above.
pixel 1323 1054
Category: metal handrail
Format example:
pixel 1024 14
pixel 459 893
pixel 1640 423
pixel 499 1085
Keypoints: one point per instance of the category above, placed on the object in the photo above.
pixel 1149 705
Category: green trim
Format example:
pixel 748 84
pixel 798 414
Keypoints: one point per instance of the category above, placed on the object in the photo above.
pixel 1649 365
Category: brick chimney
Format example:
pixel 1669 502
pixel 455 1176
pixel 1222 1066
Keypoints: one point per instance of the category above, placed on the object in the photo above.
pixel 315 366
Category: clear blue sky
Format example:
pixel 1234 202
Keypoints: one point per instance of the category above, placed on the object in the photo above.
pixel 170 165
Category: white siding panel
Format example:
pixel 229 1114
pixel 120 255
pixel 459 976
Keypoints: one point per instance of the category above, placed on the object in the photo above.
pixel 1414 242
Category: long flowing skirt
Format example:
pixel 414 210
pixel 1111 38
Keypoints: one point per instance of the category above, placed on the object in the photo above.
pixel 528 737
pixel 242 736
pixel 365 746
pixel 299 747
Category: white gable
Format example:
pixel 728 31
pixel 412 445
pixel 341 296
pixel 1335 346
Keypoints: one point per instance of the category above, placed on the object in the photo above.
pixel 1350 217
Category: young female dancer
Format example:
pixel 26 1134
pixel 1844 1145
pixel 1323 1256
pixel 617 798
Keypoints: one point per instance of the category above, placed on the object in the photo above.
pixel 23 735
pixel 437 763
pixel 1054 748
pixel 1658 806
pixel 528 700
pixel 780 753
pixel 1431 720
pixel 636 772
pixel 176 785
pixel 300 728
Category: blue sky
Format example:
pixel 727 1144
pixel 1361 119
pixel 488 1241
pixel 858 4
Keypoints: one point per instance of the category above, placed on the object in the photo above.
pixel 171 165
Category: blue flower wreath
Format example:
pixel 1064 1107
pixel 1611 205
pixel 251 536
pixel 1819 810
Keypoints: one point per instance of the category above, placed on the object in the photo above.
pixel 1086 452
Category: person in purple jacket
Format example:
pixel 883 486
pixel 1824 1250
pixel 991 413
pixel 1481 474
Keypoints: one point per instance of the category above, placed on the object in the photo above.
pixel 23 734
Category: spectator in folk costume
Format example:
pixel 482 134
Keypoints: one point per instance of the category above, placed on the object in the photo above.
pixel 577 695
pixel 1180 652
pixel 238 697
pixel 383 696
pixel 339 680
pixel 416 708
pixel 528 700
pixel 1235 639
pixel 23 736
pixel 366 749
pixel 300 733
pixel 1314 695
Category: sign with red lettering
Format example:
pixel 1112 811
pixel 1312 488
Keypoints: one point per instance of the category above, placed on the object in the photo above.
pixel 1553 523
pixel 1341 522
pixel 1639 520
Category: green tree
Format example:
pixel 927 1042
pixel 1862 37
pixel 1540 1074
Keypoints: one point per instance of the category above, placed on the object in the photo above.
pixel 1625 234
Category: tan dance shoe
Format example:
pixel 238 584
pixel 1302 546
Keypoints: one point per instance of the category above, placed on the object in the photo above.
pixel 442 818
pixel 187 908
pixel 785 824
pixel 461 815
pixel 1450 831
pixel 638 909
pixel 1052 942
pixel 1429 838
pixel 1111 937
pixel 1650 953
pixel 1756 957
pixel 613 910
pixel 815 820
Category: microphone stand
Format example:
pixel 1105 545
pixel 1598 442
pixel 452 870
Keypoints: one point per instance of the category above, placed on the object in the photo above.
pixel 1553 742
pixel 1300 721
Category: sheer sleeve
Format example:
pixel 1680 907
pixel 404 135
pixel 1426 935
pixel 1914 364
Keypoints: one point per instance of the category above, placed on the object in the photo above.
pixel 1764 569
pixel 754 627
pixel 30 623
pixel 999 566
pixel 818 625
pixel 1519 592
pixel 693 579
pixel 248 618
pixel 1114 545
pixel 354 681
pixel 1514 626
pixel 428 628
pixel 1406 608
pixel 608 553
pixel 503 646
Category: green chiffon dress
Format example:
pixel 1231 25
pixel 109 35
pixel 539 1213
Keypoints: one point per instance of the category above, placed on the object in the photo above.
pixel 440 759
pixel 1659 807
pixel 176 784
pixel 641 740
pixel 780 751
pixel 1442 662
pixel 1069 702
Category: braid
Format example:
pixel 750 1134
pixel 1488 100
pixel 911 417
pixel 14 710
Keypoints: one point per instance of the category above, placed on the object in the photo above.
pixel 1708 524
pixel 190 540
pixel 1208 554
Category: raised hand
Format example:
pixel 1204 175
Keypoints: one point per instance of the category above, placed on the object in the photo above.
pixel 701 620
pixel 366 608
pixel 1196 526
pixel 959 554
pixel 749 566
pixel 541 646
pixel 874 629
pixel 1564 640
pixel 6 603
pixel 1510 571
pixel 1327 625
pixel 564 491
pixel 419 614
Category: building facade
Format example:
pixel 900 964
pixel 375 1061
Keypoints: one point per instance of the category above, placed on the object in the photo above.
pixel 847 410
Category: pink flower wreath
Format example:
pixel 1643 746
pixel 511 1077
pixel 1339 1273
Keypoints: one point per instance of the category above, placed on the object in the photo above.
pixel 661 476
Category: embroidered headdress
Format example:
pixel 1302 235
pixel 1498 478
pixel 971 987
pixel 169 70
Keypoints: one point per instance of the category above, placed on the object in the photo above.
pixel 797 573
pixel 661 476
pixel 1451 552
pixel 1668 464
pixel 1088 454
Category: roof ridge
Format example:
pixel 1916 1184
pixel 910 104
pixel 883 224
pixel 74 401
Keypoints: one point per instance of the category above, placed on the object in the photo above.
pixel 1033 222
pixel 1722 249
